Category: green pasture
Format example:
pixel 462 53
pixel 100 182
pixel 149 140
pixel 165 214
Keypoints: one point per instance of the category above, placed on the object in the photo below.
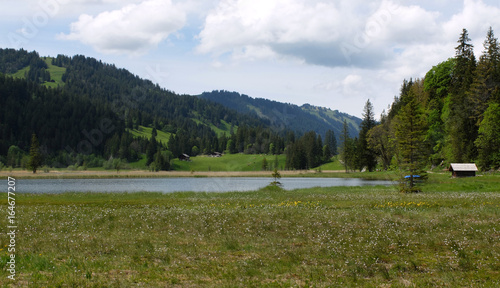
pixel 228 162
pixel 447 236
pixel 147 132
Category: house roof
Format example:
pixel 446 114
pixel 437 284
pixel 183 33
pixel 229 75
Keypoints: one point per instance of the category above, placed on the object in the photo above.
pixel 463 167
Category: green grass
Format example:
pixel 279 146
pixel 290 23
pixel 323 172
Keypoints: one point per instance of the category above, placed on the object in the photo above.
pixel 147 131
pixel 225 128
pixel 140 164
pixel 320 237
pixel 21 73
pixel 228 162
pixel 56 73
pixel 334 165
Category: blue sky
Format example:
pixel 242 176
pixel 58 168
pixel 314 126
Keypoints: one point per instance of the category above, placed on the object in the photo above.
pixel 335 54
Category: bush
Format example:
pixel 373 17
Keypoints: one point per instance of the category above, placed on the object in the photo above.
pixel 116 164
pixel 108 164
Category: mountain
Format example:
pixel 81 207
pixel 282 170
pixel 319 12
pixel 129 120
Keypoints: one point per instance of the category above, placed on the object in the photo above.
pixel 64 99
pixel 88 113
pixel 287 116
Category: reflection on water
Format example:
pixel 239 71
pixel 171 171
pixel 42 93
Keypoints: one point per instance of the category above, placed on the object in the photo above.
pixel 168 185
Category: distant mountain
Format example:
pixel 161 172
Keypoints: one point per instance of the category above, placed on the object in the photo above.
pixel 86 112
pixel 63 100
pixel 287 116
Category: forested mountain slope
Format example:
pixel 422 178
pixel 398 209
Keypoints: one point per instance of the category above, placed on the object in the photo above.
pixel 287 116
pixel 86 112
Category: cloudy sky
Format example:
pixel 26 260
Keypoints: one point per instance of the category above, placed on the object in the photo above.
pixel 331 53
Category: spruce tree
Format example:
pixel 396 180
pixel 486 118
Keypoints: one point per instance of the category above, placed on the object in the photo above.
pixel 368 158
pixel 485 88
pixel 331 141
pixel 410 129
pixel 151 149
pixel 35 157
pixel 460 125
pixel 345 149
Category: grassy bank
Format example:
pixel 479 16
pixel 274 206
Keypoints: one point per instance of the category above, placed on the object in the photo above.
pixel 228 162
pixel 321 237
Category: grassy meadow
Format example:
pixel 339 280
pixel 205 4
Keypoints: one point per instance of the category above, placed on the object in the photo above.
pixel 55 73
pixel 228 162
pixel 447 236
pixel 147 132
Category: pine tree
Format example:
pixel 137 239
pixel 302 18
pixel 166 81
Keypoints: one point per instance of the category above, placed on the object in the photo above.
pixel 368 158
pixel 35 157
pixel 345 149
pixel 151 149
pixel 410 128
pixel 461 128
pixel 485 87
pixel 331 141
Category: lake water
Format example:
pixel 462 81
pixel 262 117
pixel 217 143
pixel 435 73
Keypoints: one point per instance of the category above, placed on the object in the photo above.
pixel 168 185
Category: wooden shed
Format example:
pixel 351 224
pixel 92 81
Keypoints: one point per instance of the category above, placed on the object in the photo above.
pixel 463 169
pixel 184 157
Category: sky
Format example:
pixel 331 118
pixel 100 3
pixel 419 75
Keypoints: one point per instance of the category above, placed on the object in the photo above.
pixel 331 53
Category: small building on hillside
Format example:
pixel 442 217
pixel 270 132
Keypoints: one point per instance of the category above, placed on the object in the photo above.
pixel 463 169
pixel 184 157
pixel 215 154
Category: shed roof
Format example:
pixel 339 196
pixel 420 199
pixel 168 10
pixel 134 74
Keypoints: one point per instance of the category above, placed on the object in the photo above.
pixel 463 167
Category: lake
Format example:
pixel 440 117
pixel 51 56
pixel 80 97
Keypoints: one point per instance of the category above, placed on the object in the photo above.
pixel 169 185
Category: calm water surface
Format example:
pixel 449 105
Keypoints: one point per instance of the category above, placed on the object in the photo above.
pixel 168 185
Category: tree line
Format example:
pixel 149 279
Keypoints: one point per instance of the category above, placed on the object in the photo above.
pixel 87 121
pixel 450 116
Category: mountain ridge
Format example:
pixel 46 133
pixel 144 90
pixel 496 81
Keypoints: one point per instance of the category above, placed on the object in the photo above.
pixel 67 97
pixel 285 115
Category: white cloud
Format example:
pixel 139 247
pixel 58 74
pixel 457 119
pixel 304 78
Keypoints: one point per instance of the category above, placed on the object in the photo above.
pixel 133 29
pixel 261 25
pixel 328 33
pixel 476 16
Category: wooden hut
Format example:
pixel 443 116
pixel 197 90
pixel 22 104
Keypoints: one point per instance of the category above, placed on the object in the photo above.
pixel 463 169
pixel 184 157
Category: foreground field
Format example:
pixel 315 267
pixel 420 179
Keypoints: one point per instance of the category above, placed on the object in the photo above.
pixel 322 237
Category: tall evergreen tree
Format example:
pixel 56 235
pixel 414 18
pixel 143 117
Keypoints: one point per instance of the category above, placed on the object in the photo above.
pixel 485 87
pixel 151 150
pixel 331 141
pixel 461 128
pixel 410 128
pixel 35 157
pixel 368 158
pixel 345 148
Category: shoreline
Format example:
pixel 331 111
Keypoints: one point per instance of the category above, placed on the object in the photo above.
pixel 55 174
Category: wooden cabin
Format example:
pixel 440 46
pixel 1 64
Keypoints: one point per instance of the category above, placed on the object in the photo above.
pixel 184 157
pixel 463 169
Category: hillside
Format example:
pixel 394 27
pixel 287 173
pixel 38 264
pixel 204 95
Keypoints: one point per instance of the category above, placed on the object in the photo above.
pixel 287 116
pixel 65 101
